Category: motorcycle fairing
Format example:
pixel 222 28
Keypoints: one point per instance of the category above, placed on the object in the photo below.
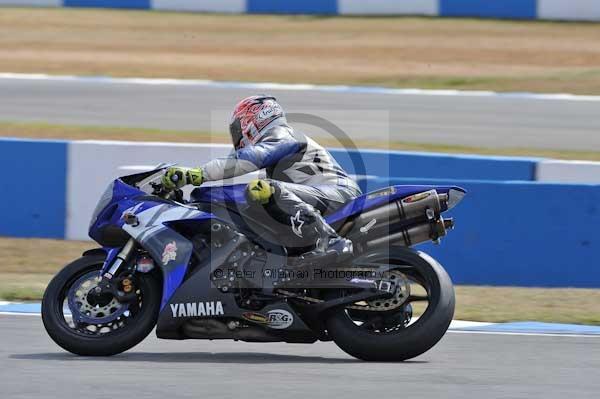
pixel 234 194
pixel 198 288
pixel 220 194
pixel 167 247
pixel 118 198
pixel 380 197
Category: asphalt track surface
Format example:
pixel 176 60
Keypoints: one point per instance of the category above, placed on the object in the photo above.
pixel 462 365
pixel 490 121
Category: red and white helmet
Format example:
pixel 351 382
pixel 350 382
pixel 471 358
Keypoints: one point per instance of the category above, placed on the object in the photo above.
pixel 251 116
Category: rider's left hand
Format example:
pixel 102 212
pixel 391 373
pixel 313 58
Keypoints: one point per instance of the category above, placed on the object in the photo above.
pixel 177 177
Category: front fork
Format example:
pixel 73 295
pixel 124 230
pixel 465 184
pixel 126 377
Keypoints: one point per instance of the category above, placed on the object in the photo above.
pixel 108 270
pixel 111 267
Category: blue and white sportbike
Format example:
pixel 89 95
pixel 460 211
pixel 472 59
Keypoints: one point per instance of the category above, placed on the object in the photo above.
pixel 202 268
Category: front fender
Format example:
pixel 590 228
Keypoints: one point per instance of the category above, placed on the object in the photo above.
pixel 108 253
pixel 95 251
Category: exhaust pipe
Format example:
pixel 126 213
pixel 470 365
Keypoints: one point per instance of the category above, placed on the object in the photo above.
pixel 413 235
pixel 377 222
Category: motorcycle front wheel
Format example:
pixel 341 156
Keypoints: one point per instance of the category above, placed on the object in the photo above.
pixel 386 330
pixel 88 324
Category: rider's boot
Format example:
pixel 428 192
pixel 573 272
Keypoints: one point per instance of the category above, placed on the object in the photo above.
pixel 300 225
pixel 330 247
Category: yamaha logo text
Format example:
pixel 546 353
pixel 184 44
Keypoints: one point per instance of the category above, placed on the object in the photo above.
pixel 196 309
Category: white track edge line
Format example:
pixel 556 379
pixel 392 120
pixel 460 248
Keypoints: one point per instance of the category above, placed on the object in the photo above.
pixel 525 333
pixel 297 87
pixel 19 314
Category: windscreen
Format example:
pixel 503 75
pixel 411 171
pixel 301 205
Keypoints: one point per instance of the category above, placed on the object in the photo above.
pixel 145 181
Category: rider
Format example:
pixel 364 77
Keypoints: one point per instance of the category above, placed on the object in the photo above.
pixel 303 180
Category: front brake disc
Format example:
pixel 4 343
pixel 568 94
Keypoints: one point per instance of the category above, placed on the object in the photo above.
pixel 84 310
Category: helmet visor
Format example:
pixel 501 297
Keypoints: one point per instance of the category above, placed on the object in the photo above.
pixel 235 130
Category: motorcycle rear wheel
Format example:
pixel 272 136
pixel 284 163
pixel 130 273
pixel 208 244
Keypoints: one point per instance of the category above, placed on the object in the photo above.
pixel 128 329
pixel 406 341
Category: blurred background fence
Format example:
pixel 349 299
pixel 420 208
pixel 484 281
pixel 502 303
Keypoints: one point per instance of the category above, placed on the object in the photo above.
pixel 512 228
pixel 513 9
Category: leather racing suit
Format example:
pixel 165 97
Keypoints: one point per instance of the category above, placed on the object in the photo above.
pixel 306 182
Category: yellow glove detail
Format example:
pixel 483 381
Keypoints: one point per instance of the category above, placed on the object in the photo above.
pixel 177 177
pixel 259 191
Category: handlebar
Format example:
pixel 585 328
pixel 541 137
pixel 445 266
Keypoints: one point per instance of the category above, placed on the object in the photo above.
pixel 174 194
pixel 161 191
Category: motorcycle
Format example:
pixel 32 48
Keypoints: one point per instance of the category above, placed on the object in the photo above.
pixel 203 269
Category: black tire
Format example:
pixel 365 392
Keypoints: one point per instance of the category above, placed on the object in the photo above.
pixel 413 340
pixel 108 344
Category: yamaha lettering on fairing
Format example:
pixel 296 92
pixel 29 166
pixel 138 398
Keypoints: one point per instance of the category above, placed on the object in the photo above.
pixel 199 309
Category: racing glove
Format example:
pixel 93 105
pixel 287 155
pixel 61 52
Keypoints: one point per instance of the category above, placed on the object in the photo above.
pixel 177 177
pixel 259 191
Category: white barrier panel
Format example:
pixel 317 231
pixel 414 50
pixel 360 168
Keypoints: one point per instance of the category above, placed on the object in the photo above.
pixel 568 172
pixel 569 9
pixel 93 164
pixel 32 3
pixel 226 6
pixel 391 7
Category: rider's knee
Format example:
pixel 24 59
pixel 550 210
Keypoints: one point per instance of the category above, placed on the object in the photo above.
pixel 259 191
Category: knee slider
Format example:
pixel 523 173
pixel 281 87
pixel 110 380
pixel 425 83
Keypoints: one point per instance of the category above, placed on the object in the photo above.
pixel 259 191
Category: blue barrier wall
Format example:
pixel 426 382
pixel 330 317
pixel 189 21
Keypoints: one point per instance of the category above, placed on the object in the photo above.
pixel 586 10
pixel 434 165
pixel 140 4
pixel 34 202
pixel 292 7
pixel 516 9
pixel 520 233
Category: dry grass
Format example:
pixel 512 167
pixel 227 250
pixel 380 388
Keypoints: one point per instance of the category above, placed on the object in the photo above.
pixel 38 255
pixel 28 264
pixel 70 132
pixel 423 52
pixel 499 304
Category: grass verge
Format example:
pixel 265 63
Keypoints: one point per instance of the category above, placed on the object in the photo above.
pixel 388 51
pixel 69 132
pixel 28 265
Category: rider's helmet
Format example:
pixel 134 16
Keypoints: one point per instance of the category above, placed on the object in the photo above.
pixel 250 117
